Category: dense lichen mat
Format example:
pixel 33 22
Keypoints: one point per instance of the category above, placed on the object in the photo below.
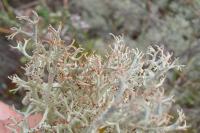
pixel 77 91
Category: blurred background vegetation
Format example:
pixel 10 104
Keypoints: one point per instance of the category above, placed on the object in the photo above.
pixel 174 24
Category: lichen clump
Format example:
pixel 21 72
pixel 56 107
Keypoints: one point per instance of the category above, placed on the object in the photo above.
pixel 79 92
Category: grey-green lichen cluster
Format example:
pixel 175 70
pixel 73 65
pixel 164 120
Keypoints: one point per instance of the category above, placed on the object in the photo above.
pixel 79 92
